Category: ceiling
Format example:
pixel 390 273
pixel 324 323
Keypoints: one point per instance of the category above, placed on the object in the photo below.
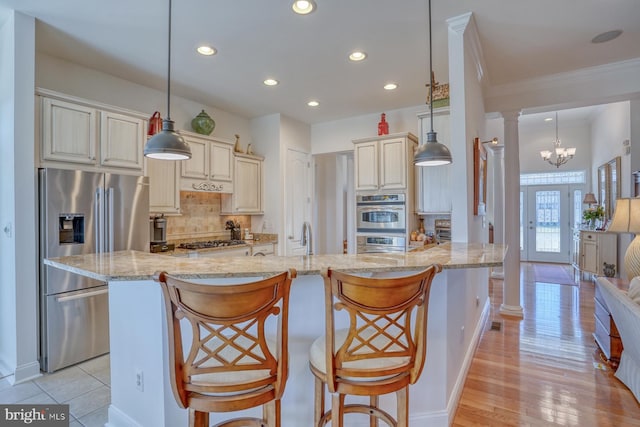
pixel 257 39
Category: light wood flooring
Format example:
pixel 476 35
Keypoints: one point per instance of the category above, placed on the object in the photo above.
pixel 545 369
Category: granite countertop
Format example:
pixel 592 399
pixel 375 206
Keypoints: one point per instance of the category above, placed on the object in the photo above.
pixel 259 239
pixel 134 265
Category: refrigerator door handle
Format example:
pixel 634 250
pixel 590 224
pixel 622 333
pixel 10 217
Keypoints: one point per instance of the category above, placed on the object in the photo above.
pixel 82 295
pixel 108 233
pixel 99 210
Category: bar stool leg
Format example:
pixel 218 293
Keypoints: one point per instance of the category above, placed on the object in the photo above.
pixel 403 406
pixel 198 419
pixel 271 413
pixel 318 411
pixel 337 410
pixel 373 420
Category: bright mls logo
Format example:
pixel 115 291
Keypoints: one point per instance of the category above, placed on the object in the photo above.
pixel 34 415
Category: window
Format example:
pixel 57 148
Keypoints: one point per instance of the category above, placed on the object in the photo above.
pixel 554 178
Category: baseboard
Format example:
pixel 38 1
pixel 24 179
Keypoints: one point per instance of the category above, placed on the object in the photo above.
pixel 24 373
pixel 117 418
pixel 454 398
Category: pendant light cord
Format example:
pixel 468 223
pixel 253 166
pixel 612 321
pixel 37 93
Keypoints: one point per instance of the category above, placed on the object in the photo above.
pixel 430 70
pixel 169 69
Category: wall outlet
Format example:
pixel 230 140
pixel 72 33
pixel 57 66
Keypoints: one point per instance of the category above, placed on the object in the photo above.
pixel 140 380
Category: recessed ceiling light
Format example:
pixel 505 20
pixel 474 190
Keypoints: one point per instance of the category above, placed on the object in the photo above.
pixel 313 103
pixel 357 56
pixel 206 50
pixel 271 82
pixel 303 7
pixel 548 119
pixel 607 36
pixel 390 86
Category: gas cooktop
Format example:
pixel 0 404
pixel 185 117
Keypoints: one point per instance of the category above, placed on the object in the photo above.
pixel 210 244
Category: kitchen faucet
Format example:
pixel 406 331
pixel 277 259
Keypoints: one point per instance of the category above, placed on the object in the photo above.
pixel 307 238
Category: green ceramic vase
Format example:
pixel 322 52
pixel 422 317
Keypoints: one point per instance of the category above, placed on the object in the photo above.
pixel 203 124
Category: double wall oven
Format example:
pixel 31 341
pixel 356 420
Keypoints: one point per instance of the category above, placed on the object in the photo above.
pixel 381 222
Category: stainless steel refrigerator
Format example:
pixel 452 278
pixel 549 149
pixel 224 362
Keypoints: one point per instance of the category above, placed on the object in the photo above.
pixel 83 213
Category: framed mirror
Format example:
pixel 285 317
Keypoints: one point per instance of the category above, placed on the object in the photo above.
pixel 603 188
pixel 614 184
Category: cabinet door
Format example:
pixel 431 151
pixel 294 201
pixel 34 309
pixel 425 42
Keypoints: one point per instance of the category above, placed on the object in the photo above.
pixel 589 251
pixel 393 164
pixel 164 186
pixel 221 162
pixel 121 140
pixel 198 165
pixel 247 194
pixel 68 132
pixel 366 165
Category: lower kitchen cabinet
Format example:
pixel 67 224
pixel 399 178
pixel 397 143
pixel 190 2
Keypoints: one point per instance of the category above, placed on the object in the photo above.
pixel 263 249
pixel 247 196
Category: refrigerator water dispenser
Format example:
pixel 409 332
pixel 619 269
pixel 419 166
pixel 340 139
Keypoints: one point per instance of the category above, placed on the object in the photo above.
pixel 71 229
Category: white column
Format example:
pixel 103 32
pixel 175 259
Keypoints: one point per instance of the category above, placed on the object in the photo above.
pixel 511 303
pixel 497 155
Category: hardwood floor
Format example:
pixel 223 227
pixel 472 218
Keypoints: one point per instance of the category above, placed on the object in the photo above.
pixel 545 369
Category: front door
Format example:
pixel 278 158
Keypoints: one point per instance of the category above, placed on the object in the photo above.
pixel 544 223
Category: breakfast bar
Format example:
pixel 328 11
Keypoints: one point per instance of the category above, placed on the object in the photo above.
pixel 140 389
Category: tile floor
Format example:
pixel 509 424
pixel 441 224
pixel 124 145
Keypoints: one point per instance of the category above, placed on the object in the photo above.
pixel 85 387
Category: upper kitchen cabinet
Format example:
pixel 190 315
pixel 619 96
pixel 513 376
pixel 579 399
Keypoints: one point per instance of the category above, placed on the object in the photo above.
pixel 384 162
pixel 210 167
pixel 164 186
pixel 80 134
pixel 433 193
pixel 247 196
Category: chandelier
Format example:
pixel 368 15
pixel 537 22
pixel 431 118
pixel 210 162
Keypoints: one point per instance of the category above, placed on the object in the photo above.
pixel 562 155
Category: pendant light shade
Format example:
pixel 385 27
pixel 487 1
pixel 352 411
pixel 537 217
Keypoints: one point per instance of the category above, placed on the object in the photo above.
pixel 431 153
pixel 167 144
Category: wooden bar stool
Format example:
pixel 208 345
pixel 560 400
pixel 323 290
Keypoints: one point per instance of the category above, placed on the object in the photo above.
pixel 230 364
pixel 381 351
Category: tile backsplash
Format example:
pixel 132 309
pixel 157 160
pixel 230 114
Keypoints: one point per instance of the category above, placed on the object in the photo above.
pixel 201 218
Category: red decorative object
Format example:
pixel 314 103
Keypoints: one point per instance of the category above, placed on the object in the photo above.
pixel 383 126
pixel 155 124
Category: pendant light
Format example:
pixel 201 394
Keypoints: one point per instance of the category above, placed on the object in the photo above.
pixel 431 153
pixel 167 144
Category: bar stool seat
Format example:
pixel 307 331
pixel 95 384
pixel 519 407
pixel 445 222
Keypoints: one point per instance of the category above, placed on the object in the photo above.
pixel 383 349
pixel 221 359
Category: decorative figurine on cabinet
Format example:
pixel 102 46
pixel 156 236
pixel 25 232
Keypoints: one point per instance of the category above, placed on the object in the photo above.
pixel 383 126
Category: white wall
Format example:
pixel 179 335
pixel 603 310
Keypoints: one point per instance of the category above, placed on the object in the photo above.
pixel 18 259
pixel 73 79
pixel 336 136
pixel 265 132
pixel 609 129
pixel 541 136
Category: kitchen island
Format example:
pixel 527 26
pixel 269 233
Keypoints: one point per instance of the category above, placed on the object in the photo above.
pixel 140 390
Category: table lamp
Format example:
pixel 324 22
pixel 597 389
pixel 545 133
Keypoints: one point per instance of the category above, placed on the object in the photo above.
pixel 590 199
pixel 626 219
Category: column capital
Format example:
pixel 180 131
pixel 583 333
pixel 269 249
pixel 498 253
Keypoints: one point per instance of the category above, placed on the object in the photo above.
pixel 510 115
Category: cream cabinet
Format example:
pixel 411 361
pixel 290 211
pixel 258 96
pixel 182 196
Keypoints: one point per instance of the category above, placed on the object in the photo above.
pixel 164 186
pixel 433 188
pixel 77 133
pixel 122 140
pixel 69 132
pixel 247 196
pixel 210 167
pixel 384 162
pixel 596 248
